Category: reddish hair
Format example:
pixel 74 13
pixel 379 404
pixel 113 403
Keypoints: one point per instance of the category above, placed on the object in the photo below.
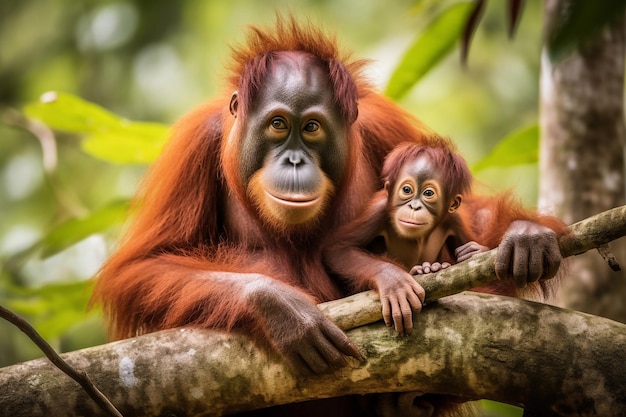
pixel 455 174
pixel 252 61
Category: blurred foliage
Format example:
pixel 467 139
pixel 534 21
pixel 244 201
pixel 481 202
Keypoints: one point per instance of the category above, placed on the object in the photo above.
pixel 70 165
pixel 105 135
pixel 53 308
pixel 430 47
pixel 70 232
pixel 580 21
pixel 519 148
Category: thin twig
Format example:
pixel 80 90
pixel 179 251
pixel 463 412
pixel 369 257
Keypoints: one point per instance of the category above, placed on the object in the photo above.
pixel 78 376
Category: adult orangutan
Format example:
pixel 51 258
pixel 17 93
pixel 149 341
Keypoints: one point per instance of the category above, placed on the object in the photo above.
pixel 227 230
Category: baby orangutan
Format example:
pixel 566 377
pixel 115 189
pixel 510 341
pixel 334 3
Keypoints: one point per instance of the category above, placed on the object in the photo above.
pixel 413 222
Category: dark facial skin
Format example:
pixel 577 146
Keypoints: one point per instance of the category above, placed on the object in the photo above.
pixel 293 154
pixel 294 146
pixel 418 201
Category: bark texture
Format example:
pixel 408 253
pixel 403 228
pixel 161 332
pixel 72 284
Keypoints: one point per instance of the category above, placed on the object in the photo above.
pixel 548 360
pixel 593 232
pixel 582 155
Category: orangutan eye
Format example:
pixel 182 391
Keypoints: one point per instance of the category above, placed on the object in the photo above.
pixel 278 123
pixel 406 190
pixel 429 193
pixel 312 127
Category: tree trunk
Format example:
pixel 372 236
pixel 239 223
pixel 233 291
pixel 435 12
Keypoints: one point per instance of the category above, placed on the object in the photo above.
pixel 582 156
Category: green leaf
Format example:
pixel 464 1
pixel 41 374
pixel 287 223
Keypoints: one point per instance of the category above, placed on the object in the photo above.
pixel 69 113
pixel 582 20
pixel 520 147
pixel 70 233
pixel 51 309
pixel 134 143
pixel 73 231
pixel 438 39
pixel 106 135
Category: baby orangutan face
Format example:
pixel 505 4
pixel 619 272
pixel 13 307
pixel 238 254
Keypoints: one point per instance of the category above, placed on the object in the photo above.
pixel 418 200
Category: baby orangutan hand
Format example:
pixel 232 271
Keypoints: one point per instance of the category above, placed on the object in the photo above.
pixel 468 250
pixel 427 268
pixel 400 296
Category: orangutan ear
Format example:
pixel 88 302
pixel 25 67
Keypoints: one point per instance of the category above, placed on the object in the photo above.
pixel 455 204
pixel 234 103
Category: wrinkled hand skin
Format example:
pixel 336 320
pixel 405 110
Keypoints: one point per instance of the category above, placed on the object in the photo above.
pixel 309 341
pixel 528 252
pixel 427 268
pixel 466 251
pixel 400 296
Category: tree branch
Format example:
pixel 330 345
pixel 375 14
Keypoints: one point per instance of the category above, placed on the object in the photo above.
pixel 77 375
pixel 364 308
pixel 473 345
pixel 540 357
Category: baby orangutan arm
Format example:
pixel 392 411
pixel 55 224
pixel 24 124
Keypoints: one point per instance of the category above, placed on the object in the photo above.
pixel 462 253
pixel 466 251
pixel 399 293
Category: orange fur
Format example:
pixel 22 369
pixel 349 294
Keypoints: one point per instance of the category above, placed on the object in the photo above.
pixel 196 244
pixel 489 218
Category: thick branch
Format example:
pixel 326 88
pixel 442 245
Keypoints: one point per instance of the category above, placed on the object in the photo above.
pixel 364 308
pixel 80 377
pixel 532 355
pixel 514 351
